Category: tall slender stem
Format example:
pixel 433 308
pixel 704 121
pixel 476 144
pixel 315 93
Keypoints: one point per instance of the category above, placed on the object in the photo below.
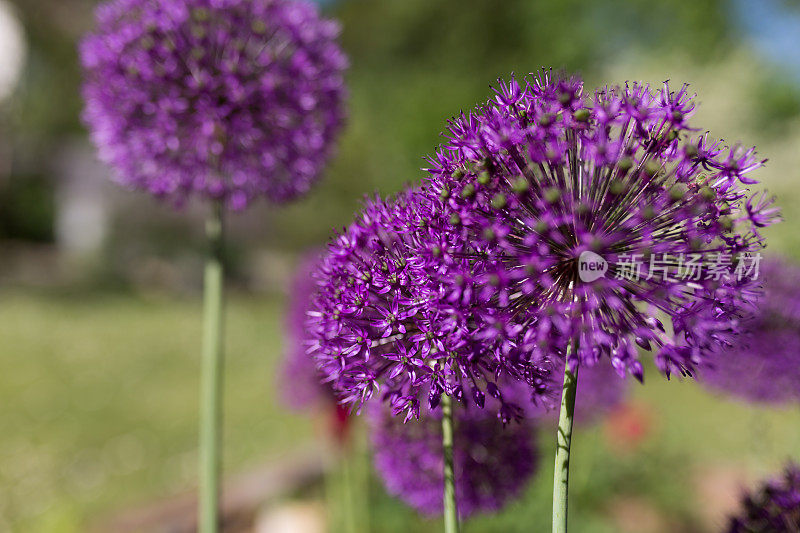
pixel 563 441
pixel 211 379
pixel 450 512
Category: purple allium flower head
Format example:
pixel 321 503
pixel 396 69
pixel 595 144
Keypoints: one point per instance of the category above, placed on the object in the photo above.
pixel 229 99
pixel 589 219
pixel 381 319
pixel 775 506
pixel 763 365
pixel 493 463
pixel 300 380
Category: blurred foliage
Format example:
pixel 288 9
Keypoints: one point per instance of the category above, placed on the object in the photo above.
pixel 47 103
pixel 777 105
pixel 27 209
pixel 414 64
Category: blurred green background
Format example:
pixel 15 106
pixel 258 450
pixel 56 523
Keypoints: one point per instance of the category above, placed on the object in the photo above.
pixel 99 287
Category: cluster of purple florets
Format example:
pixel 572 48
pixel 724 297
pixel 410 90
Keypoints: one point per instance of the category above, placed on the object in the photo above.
pixel 774 507
pixel 544 174
pixel 763 365
pixel 229 99
pixel 474 277
pixel 492 463
pixel 382 319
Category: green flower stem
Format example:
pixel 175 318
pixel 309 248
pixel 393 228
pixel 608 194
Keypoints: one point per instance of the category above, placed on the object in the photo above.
pixel 563 441
pixel 211 379
pixel 450 512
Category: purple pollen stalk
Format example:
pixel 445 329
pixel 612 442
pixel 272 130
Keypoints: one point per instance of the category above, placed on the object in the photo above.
pixel 763 365
pixel 230 99
pixel 493 463
pixel 775 506
pixel 382 319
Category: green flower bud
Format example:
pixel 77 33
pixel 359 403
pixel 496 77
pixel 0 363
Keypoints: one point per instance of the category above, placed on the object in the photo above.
pixel 200 14
pixel 499 201
pixel 651 168
pixel 708 194
pixel 520 185
pixel 258 27
pixel 617 187
pixel 581 115
pixel 677 192
pixel 552 195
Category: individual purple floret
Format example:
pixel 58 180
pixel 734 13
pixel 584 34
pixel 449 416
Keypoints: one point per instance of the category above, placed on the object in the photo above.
pixel 492 463
pixel 774 507
pixel 382 319
pixel 229 99
pixel 763 364
pixel 597 223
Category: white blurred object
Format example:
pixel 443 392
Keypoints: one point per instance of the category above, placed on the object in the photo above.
pixel 296 517
pixel 12 49
pixel 83 205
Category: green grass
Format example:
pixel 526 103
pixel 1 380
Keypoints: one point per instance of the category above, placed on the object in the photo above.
pixel 98 399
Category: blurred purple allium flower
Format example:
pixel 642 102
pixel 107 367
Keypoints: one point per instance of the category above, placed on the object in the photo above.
pixel 493 463
pixel 763 365
pixel 585 218
pixel 381 318
pixel 600 390
pixel 300 380
pixel 774 507
pixel 229 99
